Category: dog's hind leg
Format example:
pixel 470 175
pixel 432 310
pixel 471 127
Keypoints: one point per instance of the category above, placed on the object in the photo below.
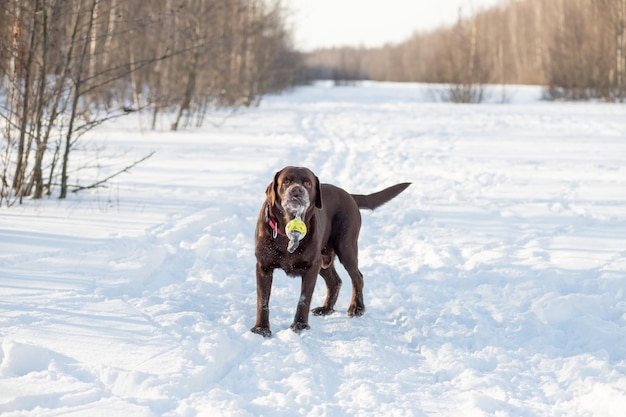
pixel 349 260
pixel 333 285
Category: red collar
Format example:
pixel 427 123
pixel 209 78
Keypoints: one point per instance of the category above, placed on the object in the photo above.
pixel 272 222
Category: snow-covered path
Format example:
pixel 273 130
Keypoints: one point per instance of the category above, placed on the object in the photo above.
pixel 494 285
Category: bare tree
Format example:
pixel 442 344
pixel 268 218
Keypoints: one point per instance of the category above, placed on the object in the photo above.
pixel 577 48
pixel 620 48
pixel 70 65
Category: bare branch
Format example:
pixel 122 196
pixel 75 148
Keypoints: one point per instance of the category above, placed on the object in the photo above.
pixel 101 183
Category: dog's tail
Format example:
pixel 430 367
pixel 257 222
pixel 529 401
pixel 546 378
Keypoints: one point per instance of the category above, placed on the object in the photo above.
pixel 371 201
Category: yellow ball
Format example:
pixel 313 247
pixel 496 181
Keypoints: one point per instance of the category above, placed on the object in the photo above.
pixel 296 225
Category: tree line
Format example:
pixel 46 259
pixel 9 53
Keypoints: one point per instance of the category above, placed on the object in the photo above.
pixel 576 48
pixel 69 65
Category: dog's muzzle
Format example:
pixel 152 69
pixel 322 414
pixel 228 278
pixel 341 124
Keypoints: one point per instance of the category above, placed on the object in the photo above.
pixel 296 200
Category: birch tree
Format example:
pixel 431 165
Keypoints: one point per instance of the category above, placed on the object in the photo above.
pixel 69 65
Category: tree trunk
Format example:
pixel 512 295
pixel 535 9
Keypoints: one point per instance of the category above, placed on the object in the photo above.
pixel 22 153
pixel 188 93
pixel 620 52
pixel 78 84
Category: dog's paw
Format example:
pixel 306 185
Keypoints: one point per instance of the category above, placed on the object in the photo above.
pixel 322 311
pixel 298 327
pixel 263 331
pixel 356 311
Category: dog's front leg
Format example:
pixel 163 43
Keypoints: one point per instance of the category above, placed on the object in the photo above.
pixel 301 320
pixel 264 277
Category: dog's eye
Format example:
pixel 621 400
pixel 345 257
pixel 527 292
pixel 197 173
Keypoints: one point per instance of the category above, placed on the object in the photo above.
pixel 307 183
pixel 286 181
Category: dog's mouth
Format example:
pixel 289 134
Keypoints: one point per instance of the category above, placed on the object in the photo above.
pixel 297 201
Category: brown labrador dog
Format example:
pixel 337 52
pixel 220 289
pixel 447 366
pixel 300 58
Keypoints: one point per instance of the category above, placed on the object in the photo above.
pixel 332 223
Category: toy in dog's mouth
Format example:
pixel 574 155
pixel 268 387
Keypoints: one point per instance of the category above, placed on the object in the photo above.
pixel 295 229
pixel 295 205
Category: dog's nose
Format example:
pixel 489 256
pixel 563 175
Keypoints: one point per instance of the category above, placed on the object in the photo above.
pixel 297 193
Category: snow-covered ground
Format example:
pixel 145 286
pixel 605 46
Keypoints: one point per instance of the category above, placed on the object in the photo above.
pixel 494 285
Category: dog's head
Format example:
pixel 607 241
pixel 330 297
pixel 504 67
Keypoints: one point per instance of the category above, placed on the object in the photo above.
pixel 295 190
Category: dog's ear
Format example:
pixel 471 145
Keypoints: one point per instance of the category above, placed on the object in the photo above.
pixel 272 190
pixel 318 194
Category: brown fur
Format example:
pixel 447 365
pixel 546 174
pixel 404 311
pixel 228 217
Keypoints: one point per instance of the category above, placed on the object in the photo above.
pixel 333 223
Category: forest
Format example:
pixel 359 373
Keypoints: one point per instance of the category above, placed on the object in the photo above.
pixel 576 48
pixel 67 66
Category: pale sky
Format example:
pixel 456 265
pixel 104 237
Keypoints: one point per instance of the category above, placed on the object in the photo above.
pixel 325 23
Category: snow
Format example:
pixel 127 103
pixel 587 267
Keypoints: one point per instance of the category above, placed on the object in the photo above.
pixel 494 285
